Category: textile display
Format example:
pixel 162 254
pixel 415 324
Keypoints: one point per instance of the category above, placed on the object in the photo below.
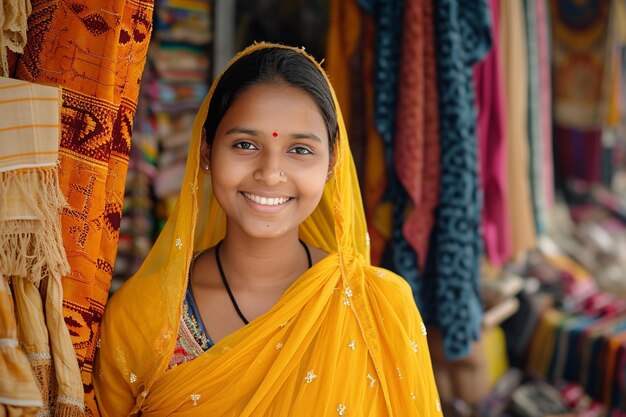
pixel 450 282
pixel 491 129
pixel 94 51
pixel 331 345
pixel 534 122
pixel 416 145
pixel 515 70
pixel 580 31
pixel 32 258
pixel 545 98
pixel 13 15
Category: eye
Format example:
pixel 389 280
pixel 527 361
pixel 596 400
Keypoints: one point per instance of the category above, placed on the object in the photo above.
pixel 301 150
pixel 246 146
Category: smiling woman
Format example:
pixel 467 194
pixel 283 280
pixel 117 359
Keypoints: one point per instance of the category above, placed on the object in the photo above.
pixel 258 298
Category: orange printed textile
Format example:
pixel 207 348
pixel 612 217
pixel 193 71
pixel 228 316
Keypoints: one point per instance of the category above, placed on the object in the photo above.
pixel 95 51
pixel 345 339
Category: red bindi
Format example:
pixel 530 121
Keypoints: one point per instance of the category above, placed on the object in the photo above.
pixel 275 134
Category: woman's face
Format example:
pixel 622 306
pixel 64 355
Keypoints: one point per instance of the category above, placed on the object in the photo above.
pixel 269 129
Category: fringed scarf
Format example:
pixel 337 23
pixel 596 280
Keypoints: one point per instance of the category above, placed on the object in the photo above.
pixel 32 258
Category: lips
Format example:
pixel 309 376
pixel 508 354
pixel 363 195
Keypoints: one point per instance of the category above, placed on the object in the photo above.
pixel 266 201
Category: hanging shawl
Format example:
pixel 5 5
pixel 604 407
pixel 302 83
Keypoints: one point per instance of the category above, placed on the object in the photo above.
pixel 345 339
pixel 32 258
pixel 13 16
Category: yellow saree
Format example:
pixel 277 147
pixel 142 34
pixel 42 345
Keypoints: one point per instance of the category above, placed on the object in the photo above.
pixel 345 339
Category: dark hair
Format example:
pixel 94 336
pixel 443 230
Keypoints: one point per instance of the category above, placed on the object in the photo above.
pixel 272 65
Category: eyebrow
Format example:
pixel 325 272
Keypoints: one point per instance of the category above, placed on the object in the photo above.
pixel 253 132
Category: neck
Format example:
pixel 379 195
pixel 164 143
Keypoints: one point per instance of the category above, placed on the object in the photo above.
pixel 265 265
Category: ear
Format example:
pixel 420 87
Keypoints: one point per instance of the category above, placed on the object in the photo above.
pixel 205 151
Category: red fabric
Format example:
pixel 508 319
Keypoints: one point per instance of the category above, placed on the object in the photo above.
pixel 416 149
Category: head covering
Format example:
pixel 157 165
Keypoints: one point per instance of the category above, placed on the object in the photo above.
pixel 345 338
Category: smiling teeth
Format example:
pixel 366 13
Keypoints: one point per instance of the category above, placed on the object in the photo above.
pixel 266 201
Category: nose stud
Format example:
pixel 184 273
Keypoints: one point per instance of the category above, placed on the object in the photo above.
pixel 281 173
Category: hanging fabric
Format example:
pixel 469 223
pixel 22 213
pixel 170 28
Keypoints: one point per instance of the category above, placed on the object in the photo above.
pixel 534 116
pixel 515 70
pixel 94 51
pixel 32 257
pixel 491 128
pixel 13 26
pixel 451 280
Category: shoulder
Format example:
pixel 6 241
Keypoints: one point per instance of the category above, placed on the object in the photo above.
pixel 395 289
pixel 387 280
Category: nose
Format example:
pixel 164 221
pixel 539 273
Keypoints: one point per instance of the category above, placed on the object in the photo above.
pixel 269 169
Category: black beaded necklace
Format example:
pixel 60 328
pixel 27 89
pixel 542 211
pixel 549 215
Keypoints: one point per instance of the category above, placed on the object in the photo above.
pixel 225 281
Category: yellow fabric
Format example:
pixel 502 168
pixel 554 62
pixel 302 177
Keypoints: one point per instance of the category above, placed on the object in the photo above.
pixel 617 40
pixel 494 341
pixel 32 258
pixel 353 325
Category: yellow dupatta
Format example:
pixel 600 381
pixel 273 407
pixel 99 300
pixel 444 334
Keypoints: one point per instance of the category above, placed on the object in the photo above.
pixel 345 339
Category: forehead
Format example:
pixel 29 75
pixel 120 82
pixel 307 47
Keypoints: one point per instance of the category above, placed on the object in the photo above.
pixel 273 107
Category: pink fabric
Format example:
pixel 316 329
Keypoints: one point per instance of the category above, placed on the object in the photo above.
pixel 491 148
pixel 545 100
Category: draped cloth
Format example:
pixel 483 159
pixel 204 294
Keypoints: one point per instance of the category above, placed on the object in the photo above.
pixel 534 118
pixel 13 15
pixel 515 70
pixel 416 147
pixel 95 51
pixel 37 360
pixel 345 339
pixel 490 129
pixel 450 286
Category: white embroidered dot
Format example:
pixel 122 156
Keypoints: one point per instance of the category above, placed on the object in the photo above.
pixel 341 409
pixel 346 301
pixel 279 345
pixel 98 343
pixel 372 380
pixel 133 378
pixel 414 345
pixel 226 348
pixel 348 292
pixel 423 327
pixel 284 324
pixel 413 397
pixel 195 398
pixel 399 373
pixel 380 273
pixel 310 376
pixel 352 344
pixel 179 243
pixel 144 394
pixel 438 405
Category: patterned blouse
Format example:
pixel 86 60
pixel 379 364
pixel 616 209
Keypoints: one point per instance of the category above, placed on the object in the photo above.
pixel 193 339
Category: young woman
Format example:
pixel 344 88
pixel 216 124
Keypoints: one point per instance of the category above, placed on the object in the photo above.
pixel 258 298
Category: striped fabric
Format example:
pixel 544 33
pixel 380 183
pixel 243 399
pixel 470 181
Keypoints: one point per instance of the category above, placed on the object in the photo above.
pixel 32 259
pixel 30 117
